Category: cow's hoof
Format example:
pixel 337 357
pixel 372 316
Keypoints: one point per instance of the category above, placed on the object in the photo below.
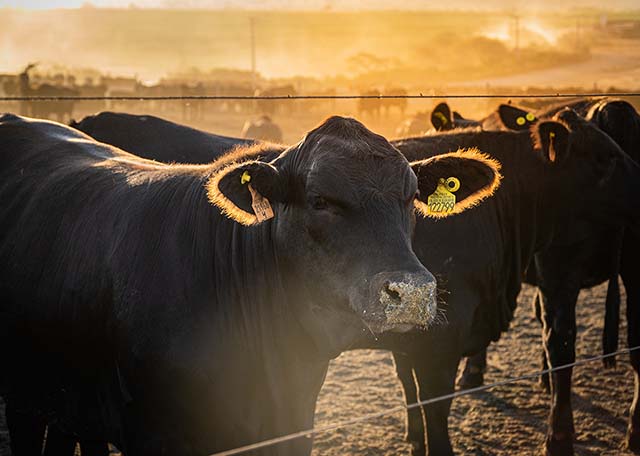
pixel 545 383
pixel 417 448
pixel 632 441
pixel 468 380
pixel 554 446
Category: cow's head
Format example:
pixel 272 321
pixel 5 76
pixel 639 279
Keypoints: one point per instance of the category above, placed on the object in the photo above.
pixel 443 119
pixel 514 118
pixel 344 203
pixel 604 179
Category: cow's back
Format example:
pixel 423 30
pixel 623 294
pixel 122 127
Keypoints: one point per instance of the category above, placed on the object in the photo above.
pixel 157 139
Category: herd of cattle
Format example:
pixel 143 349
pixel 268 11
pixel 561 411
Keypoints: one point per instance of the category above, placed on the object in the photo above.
pixel 173 291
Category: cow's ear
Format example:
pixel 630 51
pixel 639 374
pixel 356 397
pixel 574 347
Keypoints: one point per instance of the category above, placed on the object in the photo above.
pixel 441 117
pixel 553 139
pixel 454 182
pixel 515 118
pixel 244 191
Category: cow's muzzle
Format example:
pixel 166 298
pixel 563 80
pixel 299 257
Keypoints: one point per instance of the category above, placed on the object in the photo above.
pixel 408 300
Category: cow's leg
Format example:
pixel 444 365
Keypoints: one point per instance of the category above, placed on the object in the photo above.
pixel 559 337
pixel 415 424
pixel 545 379
pixel 630 276
pixel 436 377
pixel 58 444
pixel 26 431
pixel 472 375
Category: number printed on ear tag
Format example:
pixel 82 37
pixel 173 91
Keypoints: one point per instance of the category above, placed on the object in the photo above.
pixel 443 199
pixel 261 205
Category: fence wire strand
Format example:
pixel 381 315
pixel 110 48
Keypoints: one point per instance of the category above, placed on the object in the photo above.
pixel 316 97
pixel 400 408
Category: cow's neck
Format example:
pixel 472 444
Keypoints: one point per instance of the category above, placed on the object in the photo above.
pixel 264 340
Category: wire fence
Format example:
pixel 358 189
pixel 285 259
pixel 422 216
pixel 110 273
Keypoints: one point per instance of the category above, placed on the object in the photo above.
pixel 402 408
pixel 320 97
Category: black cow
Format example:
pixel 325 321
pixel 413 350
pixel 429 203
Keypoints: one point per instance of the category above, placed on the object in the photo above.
pixel 506 117
pixel 583 256
pixel 189 309
pixel 571 169
pixel 262 129
pixel 155 138
pixel 443 119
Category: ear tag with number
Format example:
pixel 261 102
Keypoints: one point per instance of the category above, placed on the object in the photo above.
pixel 443 199
pixel 261 205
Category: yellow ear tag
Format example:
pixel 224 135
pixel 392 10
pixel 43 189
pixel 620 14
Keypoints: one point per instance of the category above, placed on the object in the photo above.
pixel 261 206
pixel 520 120
pixel 442 117
pixel 530 117
pixel 443 199
pixel 552 135
pixel 246 177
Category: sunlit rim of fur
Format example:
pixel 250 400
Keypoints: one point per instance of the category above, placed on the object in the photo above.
pixel 244 153
pixel 236 157
pixel 477 197
pixel 534 130
pixel 226 206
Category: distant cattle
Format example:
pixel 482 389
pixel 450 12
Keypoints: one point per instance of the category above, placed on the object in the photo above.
pixel 370 105
pixel 564 171
pixel 61 110
pixel 418 124
pixel 187 309
pixel 263 129
pixel 156 138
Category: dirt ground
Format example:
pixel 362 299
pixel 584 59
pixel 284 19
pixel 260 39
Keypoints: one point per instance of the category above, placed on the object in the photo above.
pixel 507 420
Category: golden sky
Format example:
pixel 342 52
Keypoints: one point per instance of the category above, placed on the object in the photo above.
pixel 546 5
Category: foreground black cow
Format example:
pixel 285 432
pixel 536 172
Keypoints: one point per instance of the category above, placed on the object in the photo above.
pixel 133 311
pixel 155 138
pixel 582 256
pixel 571 169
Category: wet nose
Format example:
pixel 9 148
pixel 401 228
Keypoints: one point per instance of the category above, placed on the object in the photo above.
pixel 408 298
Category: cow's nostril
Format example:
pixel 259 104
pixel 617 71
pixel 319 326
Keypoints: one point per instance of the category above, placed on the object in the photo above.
pixel 393 294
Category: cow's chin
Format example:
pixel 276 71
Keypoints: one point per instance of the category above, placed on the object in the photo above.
pixel 382 328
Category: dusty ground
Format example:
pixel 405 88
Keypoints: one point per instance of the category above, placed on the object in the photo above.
pixel 504 421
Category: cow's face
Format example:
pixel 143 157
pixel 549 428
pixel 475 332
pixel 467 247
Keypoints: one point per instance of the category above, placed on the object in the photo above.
pixel 604 179
pixel 344 203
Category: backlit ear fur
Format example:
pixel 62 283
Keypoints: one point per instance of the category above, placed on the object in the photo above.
pixel 233 172
pixel 552 137
pixel 451 164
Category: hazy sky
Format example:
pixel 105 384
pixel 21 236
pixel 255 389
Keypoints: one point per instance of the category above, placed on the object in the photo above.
pixel 323 4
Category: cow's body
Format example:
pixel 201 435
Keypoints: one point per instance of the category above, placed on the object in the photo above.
pixel 134 311
pixel 485 256
pixel 157 139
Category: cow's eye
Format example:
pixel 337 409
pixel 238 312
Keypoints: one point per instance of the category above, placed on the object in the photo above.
pixel 319 203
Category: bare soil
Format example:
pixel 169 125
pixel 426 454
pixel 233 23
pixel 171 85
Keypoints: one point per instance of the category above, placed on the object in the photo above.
pixel 506 420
